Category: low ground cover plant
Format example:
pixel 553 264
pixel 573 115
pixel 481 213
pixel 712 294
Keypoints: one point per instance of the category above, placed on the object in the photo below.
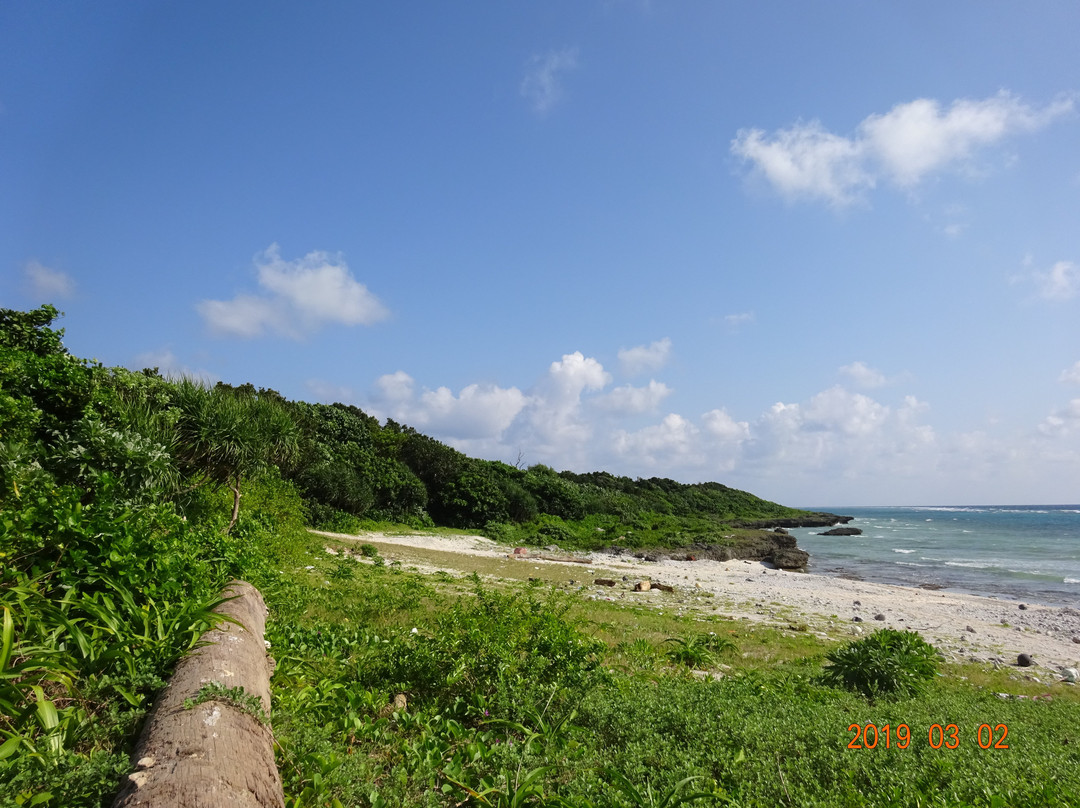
pixel 888 662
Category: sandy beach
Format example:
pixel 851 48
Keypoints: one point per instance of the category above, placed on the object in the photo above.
pixel 963 627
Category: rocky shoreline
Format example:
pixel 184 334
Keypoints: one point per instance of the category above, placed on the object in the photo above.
pixel 772 544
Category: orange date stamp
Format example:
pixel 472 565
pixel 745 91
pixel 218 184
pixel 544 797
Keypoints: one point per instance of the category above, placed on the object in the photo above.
pixel 871 736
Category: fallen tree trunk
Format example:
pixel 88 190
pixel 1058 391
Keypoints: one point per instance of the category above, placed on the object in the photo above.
pixel 218 752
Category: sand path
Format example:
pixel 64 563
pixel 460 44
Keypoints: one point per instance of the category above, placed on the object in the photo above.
pixel 964 627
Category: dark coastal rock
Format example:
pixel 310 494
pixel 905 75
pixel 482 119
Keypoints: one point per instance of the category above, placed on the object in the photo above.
pixel 1025 661
pixel 1023 607
pixel 810 520
pixel 880 617
pixel 842 531
pixel 604 582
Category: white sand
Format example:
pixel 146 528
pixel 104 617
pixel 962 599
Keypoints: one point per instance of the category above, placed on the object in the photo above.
pixel 964 627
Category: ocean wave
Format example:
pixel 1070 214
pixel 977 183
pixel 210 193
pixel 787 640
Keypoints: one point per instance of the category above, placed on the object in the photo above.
pixel 909 564
pixel 1072 581
pixel 895 550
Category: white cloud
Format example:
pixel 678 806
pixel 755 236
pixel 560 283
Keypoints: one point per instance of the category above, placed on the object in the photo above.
pixel 169 366
pixel 671 443
pixel 725 428
pixel 542 85
pixel 917 138
pixel 863 375
pixel 48 284
pixel 575 373
pixel 631 400
pixel 737 321
pixel 645 358
pixel 1061 282
pixel 806 161
pixel 396 386
pixel 1070 375
pixel 1063 422
pixel 298 297
pixel 477 412
pixel 904 145
pixel 834 446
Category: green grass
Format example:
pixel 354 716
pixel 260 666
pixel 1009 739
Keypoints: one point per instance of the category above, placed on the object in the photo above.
pixel 768 731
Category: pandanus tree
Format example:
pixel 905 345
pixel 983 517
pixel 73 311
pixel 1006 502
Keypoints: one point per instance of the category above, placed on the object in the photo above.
pixel 225 435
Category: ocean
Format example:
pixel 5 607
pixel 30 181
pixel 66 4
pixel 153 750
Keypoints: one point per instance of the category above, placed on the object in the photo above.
pixel 1020 552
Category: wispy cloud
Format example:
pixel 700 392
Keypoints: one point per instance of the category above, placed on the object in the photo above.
pixel 48 284
pixel 863 375
pixel 737 321
pixel 902 146
pixel 542 85
pixel 1057 284
pixel 645 358
pixel 296 298
pixel 1070 375
pixel 169 365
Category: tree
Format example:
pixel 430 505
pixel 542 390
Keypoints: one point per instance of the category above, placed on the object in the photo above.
pixel 225 435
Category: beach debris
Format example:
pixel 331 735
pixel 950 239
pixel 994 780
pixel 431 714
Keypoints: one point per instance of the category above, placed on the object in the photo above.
pixel 857 602
pixel 662 587
pixel 521 551
pixel 1025 661
pixel 856 619
pixel 604 582
pixel 969 628
pixel 1070 675
pixel 642 586
pixel 1023 607
pixel 879 616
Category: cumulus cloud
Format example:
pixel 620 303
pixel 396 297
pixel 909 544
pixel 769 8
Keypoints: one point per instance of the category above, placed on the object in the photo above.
pixel 903 146
pixel 863 375
pixel 297 297
pixel 839 443
pixel 1070 375
pixel 645 358
pixel 630 400
pixel 671 443
pixel 477 412
pixel 542 85
pixel 48 284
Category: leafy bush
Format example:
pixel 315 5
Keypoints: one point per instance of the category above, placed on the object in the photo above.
pixel 886 662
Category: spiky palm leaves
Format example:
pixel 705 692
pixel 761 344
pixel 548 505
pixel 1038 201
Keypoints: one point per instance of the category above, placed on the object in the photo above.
pixel 224 435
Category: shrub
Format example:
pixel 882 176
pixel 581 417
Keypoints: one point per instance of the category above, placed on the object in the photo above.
pixel 886 662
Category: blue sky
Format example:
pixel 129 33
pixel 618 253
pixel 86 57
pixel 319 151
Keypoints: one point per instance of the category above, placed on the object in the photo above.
pixel 828 253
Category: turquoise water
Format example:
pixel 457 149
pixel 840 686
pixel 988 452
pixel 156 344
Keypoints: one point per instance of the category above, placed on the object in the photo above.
pixel 1025 552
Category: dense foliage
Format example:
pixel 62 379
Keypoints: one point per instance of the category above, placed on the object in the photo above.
pixel 887 662
pixel 127 500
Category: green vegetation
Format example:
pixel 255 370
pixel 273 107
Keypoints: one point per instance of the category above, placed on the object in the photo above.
pixel 886 662
pixel 120 523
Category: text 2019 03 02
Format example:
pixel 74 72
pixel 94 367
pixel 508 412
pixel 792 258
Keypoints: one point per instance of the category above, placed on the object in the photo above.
pixel 870 736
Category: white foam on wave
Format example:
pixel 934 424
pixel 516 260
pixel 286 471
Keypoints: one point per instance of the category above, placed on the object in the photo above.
pixel 909 564
pixel 1072 580
pixel 897 550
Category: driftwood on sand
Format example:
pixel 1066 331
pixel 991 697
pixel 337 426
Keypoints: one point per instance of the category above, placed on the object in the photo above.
pixel 218 751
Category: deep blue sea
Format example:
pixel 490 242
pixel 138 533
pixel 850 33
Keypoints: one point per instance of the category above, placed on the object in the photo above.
pixel 1022 552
